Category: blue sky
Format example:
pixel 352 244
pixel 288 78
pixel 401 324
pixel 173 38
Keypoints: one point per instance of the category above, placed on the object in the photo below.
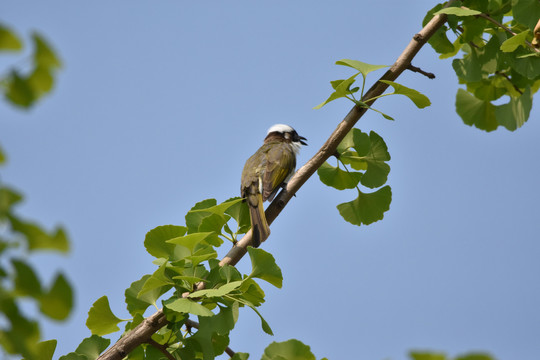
pixel 159 105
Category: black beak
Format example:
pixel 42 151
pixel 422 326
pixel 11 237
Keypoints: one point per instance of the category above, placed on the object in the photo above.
pixel 301 139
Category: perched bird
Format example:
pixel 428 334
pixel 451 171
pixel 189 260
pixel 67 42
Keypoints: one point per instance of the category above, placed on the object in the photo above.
pixel 266 171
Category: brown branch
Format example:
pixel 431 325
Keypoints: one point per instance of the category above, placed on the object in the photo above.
pixel 141 334
pixel 420 71
pixel 329 147
pixel 162 348
pixel 153 323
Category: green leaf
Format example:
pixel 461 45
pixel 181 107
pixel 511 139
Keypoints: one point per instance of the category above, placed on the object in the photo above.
pixel 439 41
pixel 101 320
pixel 377 170
pixel 44 350
pixel 73 356
pixel 354 138
pixel 488 89
pixel 370 155
pixel 229 273
pixel 219 209
pixel 9 40
pixel 212 337
pixel 26 281
pixel 240 356
pixel 526 12
pixel 516 112
pixel 450 52
pixel 360 66
pixel 475 356
pixel 252 292
pixel 158 282
pixel 194 218
pixel 214 223
pixel 289 350
pixel 41 80
pixel 190 279
pixel 3 160
pixel 57 303
pixel 529 67
pixel 426 356
pixel 337 178
pixel 138 303
pixel 341 90
pixel 240 212
pixel 19 91
pixel 202 254
pixel 512 43
pixel 367 208
pixel 44 54
pixel 419 99
pixel 155 240
pixel 219 292
pixel 473 29
pixel 264 267
pixel 187 306
pixel 469 68
pixel 92 346
pixel 475 112
pixel 38 238
pixel 190 241
pixel 457 11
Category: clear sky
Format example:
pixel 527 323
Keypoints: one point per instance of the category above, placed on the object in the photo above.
pixel 159 105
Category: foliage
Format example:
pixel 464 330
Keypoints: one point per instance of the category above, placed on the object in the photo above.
pixel 498 60
pixel 24 88
pixel 20 334
pixel 189 282
pixel 20 238
pixel 367 154
pixel 186 256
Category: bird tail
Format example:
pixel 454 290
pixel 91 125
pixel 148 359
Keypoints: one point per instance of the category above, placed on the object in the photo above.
pixel 259 226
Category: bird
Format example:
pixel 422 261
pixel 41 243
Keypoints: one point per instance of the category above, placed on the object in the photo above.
pixel 266 171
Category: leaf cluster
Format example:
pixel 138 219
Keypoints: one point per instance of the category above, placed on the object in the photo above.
pixel 23 88
pixel 497 61
pixel 367 157
pixel 20 333
pixel 186 257
pixel 343 88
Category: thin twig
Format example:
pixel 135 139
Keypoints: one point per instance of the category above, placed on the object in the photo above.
pixel 504 27
pixel 420 71
pixel 509 80
pixel 143 331
pixel 162 348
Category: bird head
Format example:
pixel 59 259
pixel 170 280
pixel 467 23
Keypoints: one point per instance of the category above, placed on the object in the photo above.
pixel 286 133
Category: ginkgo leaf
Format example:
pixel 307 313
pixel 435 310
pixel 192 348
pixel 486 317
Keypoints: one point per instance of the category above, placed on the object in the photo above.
pixel 101 320
pixel 419 99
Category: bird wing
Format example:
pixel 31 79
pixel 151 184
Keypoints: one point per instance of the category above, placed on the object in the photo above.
pixel 280 163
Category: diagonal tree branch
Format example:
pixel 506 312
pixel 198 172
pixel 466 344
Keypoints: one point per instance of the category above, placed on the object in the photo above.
pixel 330 146
pixel 154 322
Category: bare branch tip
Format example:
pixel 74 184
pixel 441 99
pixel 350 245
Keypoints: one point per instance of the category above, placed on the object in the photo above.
pixel 420 71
